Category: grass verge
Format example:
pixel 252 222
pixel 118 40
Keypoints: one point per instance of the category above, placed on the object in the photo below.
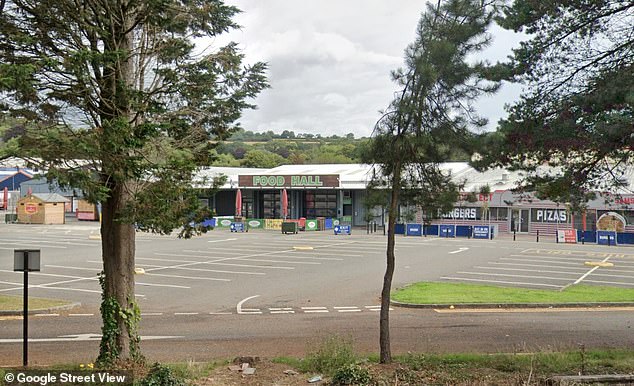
pixel 14 303
pixel 456 293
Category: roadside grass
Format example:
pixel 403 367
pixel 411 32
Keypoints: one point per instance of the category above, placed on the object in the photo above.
pixel 456 293
pixel 474 368
pixel 14 303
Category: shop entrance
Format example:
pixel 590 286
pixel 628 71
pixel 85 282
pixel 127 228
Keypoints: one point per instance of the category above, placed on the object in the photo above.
pixel 519 220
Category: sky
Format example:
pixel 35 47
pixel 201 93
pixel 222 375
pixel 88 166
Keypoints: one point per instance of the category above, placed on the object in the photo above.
pixel 330 61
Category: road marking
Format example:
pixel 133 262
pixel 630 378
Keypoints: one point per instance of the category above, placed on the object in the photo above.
pixel 347 309
pixel 221 313
pixel 241 310
pixel 284 310
pixel 376 308
pixel 508 275
pixel 219 241
pixel 500 281
pixel 610 282
pixel 185 313
pixel 152 314
pixel 80 338
pixel 204 262
pixel 525 270
pixel 313 310
pixel 459 250
pixel 532 265
pixel 590 271
pixel 45 315
pixel 205 270
pixel 162 285
pixel 186 277
pixel 81 314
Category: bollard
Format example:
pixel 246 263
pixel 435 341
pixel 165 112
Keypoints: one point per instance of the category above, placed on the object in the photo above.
pixel 513 235
pixel 538 235
pixel 367 228
pixel 384 229
pixel 583 238
pixel 375 227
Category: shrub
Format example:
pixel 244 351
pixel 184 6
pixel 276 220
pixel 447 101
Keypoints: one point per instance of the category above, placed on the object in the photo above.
pixel 352 374
pixel 333 353
pixel 160 375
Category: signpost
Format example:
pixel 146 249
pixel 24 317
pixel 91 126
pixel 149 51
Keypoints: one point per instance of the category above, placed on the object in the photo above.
pixel 26 260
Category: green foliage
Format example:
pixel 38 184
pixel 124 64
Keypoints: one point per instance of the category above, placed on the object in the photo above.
pixel 262 159
pixel 352 374
pixel 161 375
pixel 112 312
pixel 331 354
pixel 577 110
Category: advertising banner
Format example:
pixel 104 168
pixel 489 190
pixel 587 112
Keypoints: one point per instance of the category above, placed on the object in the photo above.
pixel 568 236
pixel 480 231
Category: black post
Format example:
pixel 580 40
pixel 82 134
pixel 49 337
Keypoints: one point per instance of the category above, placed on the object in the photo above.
pixel 583 237
pixel 538 235
pixel 367 228
pixel 374 227
pixel 383 229
pixel 513 234
pixel 25 315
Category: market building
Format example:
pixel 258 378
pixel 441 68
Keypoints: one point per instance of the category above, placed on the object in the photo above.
pixel 337 191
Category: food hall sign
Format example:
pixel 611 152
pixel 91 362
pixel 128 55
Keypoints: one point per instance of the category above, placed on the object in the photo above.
pixel 290 181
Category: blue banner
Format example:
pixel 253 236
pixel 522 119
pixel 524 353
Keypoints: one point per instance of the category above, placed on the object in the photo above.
pixel 342 230
pixel 480 231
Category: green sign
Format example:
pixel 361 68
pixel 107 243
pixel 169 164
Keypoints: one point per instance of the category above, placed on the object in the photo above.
pixel 289 181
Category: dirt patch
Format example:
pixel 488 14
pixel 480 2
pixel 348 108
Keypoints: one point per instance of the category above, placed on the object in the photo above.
pixel 273 374
pixel 266 373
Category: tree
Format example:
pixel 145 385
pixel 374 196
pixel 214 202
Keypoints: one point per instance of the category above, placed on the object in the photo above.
pixel 119 103
pixel 576 115
pixel 430 115
pixel 262 159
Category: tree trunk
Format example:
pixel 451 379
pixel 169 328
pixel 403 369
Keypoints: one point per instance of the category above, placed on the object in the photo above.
pixel 119 311
pixel 384 325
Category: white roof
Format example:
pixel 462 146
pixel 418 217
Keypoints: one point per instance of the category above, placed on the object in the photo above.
pixel 356 176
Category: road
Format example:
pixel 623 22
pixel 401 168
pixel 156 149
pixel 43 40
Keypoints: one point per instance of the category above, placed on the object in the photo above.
pixel 267 294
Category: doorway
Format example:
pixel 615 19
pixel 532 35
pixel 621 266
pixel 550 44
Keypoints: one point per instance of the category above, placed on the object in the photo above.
pixel 519 220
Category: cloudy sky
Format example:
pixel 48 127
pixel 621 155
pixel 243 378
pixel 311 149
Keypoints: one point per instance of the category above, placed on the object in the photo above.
pixel 330 61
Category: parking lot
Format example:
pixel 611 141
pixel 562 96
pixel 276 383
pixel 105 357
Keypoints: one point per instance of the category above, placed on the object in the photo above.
pixel 263 272
pixel 554 267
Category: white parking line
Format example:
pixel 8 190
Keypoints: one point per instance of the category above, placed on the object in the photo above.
pixel 29 243
pixel 151 314
pixel 81 315
pixel 501 282
pixel 463 249
pixel 526 270
pixel 219 241
pixel 185 313
pixel 241 310
pixel 162 285
pixel 204 262
pixel 186 277
pixel 534 266
pixel 202 270
pixel 508 275
pixel 629 284
pixel 314 310
pixel 542 261
pixel 347 309
pixel 590 271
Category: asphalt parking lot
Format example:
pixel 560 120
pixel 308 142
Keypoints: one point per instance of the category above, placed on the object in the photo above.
pixel 553 267
pixel 264 272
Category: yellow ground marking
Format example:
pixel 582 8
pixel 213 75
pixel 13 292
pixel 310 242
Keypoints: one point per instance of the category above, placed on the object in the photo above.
pixel 598 264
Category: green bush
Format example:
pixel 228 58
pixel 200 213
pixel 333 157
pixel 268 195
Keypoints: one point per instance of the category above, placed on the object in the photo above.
pixel 352 374
pixel 160 375
pixel 333 353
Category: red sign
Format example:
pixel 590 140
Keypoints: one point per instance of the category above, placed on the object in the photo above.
pixel 30 208
pixel 568 236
